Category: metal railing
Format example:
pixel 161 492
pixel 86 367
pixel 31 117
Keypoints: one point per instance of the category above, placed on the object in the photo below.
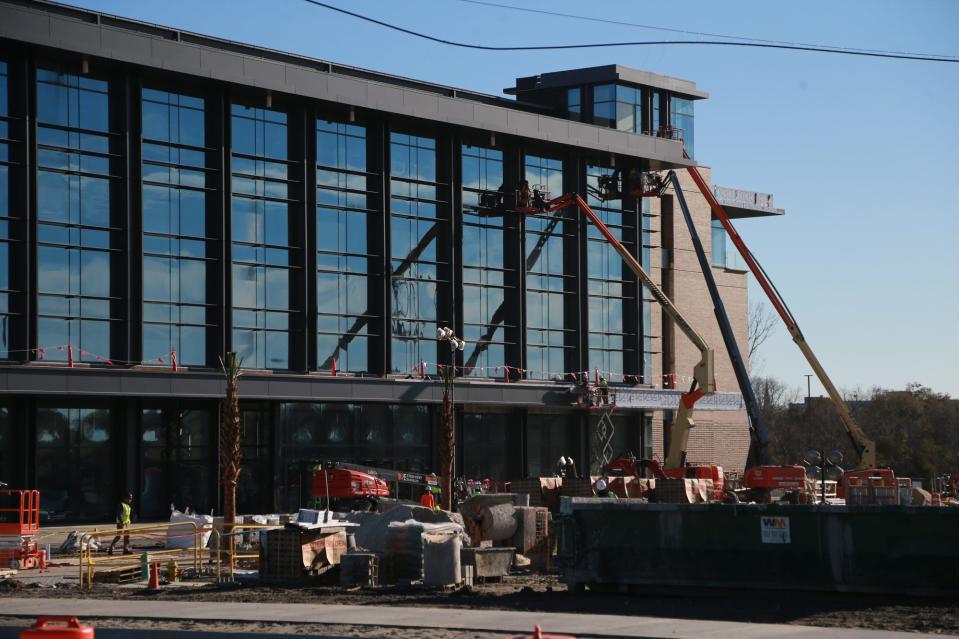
pixel 231 555
pixel 88 562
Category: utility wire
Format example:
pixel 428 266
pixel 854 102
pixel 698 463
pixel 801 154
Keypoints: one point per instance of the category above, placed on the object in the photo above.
pixel 623 23
pixel 598 45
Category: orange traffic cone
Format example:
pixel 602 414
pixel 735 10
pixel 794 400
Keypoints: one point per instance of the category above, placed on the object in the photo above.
pixel 154 583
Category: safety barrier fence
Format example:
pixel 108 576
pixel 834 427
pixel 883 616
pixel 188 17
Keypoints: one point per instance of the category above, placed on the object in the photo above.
pixel 90 561
pixel 229 554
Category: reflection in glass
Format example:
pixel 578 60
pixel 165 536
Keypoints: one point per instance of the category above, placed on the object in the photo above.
pixel 175 228
pixel 74 463
pixel 262 241
pixel 415 233
pixel 608 280
pixel 545 274
pixel 342 255
pixel 484 269
pixel 74 234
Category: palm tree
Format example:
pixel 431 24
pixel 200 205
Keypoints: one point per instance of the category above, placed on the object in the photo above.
pixel 231 451
pixel 446 439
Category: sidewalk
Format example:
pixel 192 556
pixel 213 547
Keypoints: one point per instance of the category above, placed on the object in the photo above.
pixel 424 617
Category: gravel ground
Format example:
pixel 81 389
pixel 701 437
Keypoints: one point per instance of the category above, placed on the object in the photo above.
pixel 546 594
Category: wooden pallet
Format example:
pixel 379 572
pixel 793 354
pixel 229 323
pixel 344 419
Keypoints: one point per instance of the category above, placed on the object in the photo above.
pixel 120 575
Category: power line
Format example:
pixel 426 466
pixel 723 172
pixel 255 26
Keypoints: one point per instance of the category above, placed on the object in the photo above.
pixel 623 23
pixel 599 45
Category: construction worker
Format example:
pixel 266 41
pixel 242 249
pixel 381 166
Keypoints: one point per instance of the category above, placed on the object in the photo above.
pixel 523 195
pixel 539 201
pixel 427 500
pixel 124 512
pixel 604 389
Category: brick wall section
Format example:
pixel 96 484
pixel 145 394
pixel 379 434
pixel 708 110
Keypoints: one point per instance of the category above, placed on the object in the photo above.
pixel 719 436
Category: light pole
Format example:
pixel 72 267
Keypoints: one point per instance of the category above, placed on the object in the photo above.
pixel 447 439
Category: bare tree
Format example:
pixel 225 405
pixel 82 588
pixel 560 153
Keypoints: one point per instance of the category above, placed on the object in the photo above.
pixel 231 451
pixel 762 319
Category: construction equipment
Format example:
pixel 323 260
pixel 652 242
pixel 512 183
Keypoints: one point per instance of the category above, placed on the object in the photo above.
pixel 863 445
pixel 19 527
pixel 761 479
pixel 354 487
pixel 629 466
pixel 703 376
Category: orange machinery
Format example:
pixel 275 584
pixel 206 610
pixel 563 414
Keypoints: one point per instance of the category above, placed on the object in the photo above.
pixel 19 527
pixel 360 487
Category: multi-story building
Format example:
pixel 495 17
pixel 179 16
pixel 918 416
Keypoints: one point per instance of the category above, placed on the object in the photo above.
pixel 167 197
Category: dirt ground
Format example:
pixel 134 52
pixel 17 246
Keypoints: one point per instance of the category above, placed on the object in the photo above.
pixel 268 628
pixel 546 594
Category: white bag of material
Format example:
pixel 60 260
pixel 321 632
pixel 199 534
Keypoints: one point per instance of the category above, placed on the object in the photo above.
pixel 183 536
pixel 72 543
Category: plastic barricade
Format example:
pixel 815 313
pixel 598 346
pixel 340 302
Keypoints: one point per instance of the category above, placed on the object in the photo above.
pixel 57 628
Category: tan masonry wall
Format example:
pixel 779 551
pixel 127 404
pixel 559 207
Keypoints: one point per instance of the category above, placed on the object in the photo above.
pixel 720 437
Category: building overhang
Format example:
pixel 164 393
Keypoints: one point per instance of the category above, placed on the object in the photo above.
pixel 609 73
pixel 740 203
pixel 149 383
pixel 90 33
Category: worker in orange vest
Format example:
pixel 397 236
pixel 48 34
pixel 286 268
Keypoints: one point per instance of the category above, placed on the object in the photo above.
pixel 427 500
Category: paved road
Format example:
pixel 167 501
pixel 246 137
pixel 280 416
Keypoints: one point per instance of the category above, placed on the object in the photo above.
pixel 423 617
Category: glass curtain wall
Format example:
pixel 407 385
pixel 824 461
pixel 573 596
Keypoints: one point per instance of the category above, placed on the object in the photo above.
pixel 8 448
pixel 545 275
pixel 486 440
pixel 175 229
pixel 656 120
pixel 485 288
pixel 76 236
pixel 253 490
pixel 263 247
pixel 343 252
pixel 549 437
pixel 177 461
pixel 610 340
pixel 74 463
pixel 417 228
pixel 681 117
pixel 618 107
pixel 574 103
pixel 381 436
pixel 646 218
pixel 8 217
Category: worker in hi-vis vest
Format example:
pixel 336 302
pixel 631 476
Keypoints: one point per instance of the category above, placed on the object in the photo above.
pixel 124 512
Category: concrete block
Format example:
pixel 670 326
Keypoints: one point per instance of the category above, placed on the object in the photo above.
pixel 488 562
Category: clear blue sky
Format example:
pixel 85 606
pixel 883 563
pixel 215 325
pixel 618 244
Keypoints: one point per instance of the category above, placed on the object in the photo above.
pixel 860 152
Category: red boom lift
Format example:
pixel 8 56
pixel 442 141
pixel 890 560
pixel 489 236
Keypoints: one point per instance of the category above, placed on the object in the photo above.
pixel 864 446
pixel 703 377
pixel 355 487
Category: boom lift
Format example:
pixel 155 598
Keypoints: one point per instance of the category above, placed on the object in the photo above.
pixel 356 487
pixel 761 477
pixel 863 445
pixel 703 376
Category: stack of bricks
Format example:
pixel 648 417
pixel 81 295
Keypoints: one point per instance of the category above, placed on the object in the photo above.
pixel 577 487
pixel 683 491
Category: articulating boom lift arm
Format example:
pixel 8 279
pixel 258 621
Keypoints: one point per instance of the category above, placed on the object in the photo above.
pixel 703 380
pixel 863 444
pixel 757 426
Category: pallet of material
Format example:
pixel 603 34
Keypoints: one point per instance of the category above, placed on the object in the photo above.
pixel 119 575
pixel 290 554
